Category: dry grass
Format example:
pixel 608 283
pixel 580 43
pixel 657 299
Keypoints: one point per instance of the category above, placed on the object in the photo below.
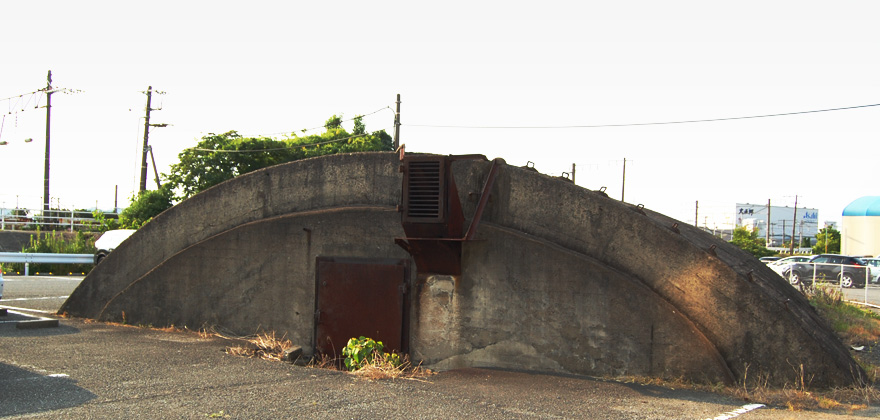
pixel 170 328
pixel 269 347
pixel 324 361
pixel 379 368
pixel 264 346
pixel 852 324
pixel 796 396
pixel 793 397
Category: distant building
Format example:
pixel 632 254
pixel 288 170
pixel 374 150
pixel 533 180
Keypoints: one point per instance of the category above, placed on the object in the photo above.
pixel 780 221
pixel 860 227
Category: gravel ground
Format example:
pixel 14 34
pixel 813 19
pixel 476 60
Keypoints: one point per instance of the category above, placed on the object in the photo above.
pixel 92 370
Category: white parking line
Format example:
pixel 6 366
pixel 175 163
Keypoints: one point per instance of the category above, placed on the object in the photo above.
pixel 51 375
pixel 736 413
pixel 13 309
pixel 36 298
pixel 13 279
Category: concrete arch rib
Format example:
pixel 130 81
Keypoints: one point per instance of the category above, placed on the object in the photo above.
pixel 361 179
pixel 229 251
pixel 612 312
pixel 752 316
pixel 559 278
pixel 225 284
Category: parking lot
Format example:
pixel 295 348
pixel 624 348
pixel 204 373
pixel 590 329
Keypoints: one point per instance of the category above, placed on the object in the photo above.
pixel 84 369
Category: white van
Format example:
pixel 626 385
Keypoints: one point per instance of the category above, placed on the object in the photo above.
pixel 109 241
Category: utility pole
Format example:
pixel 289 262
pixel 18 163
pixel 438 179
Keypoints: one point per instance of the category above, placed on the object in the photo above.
pixel 793 226
pixel 697 213
pixel 623 184
pixel 572 172
pixel 800 233
pixel 147 126
pixel 155 170
pixel 767 233
pixel 48 90
pixel 146 141
pixel 783 232
pixel 48 135
pixel 397 125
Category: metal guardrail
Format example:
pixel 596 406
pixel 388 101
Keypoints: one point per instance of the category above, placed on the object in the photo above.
pixel 42 258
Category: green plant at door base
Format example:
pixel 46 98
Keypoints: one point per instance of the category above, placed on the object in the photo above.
pixel 363 351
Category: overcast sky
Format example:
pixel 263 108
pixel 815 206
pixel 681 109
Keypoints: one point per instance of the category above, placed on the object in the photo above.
pixel 542 70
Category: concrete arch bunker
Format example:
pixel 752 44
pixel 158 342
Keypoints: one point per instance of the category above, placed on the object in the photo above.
pixel 557 278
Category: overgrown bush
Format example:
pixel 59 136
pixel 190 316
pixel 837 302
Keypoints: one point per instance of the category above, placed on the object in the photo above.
pixel 104 223
pixel 853 324
pixel 144 207
pixel 57 243
pixel 748 241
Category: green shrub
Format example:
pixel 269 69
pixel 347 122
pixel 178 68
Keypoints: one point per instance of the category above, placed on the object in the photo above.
pixel 56 243
pixel 363 351
pixel 104 223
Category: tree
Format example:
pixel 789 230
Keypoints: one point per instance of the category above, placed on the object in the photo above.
pixel 827 241
pixel 333 123
pixel 359 127
pixel 748 241
pixel 147 205
pixel 806 242
pixel 219 157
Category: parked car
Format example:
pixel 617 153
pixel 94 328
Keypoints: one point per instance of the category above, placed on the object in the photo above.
pixel 782 265
pixel 832 268
pixel 109 241
pixel 874 266
pixel 768 260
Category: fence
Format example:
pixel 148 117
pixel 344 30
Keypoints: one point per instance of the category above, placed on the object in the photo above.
pixel 855 282
pixel 31 219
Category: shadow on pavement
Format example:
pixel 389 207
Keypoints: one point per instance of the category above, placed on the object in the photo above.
pixel 26 392
pixel 9 326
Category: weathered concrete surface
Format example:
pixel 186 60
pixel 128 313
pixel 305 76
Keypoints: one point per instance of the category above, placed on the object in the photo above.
pixel 752 318
pixel 230 282
pixel 312 185
pixel 559 279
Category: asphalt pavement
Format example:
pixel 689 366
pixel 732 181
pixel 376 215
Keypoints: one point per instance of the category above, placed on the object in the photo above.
pixel 88 370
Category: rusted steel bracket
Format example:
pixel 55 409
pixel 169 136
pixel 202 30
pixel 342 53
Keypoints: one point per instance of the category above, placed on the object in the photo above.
pixel 484 198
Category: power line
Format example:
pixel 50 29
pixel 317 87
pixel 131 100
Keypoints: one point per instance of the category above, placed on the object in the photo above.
pixel 283 148
pixel 641 124
pixel 304 130
pixel 36 96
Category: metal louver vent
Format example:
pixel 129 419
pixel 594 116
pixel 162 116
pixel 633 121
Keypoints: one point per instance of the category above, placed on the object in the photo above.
pixel 424 199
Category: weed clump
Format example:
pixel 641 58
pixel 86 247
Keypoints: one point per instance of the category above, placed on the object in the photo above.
pixel 363 357
pixel 263 346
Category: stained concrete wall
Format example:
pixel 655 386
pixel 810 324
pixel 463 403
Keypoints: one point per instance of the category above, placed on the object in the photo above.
pixel 558 279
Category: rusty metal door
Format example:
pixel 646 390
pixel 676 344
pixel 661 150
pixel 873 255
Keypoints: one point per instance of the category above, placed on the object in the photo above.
pixel 361 297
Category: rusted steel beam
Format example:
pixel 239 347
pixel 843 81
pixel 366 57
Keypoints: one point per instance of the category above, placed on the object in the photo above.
pixel 484 198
